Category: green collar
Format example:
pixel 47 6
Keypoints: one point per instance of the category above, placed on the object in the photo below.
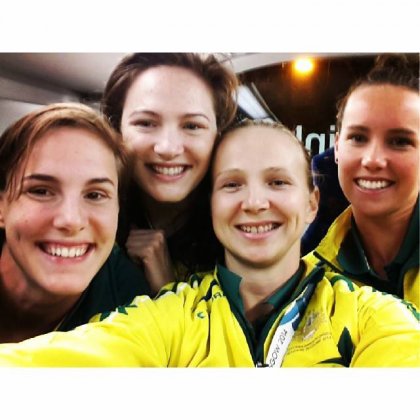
pixel 410 245
pixel 230 283
pixel 352 257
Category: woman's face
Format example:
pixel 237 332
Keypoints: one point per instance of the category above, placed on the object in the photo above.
pixel 378 150
pixel 61 228
pixel 169 124
pixel 260 201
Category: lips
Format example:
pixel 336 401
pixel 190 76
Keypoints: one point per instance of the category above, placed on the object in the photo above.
pixel 373 184
pixel 256 229
pixel 65 251
pixel 172 170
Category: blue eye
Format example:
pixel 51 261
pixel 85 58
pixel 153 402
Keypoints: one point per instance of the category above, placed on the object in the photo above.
pixel 231 186
pixel 277 182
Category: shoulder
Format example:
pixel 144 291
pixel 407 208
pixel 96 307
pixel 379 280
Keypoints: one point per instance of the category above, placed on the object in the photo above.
pixel 364 302
pixel 197 295
pixel 330 244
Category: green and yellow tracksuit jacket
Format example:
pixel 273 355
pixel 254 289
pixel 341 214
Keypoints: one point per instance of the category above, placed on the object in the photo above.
pixel 201 323
pixel 341 251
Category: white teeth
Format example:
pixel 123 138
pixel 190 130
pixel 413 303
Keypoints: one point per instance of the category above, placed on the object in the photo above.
pixel 65 252
pixel 257 229
pixel 372 185
pixel 172 171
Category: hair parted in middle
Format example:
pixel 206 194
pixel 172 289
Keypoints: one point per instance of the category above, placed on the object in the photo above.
pixel 221 81
pixel 389 69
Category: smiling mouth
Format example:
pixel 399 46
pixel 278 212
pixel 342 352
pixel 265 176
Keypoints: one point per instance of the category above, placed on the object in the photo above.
pixel 258 229
pixel 56 250
pixel 373 185
pixel 169 170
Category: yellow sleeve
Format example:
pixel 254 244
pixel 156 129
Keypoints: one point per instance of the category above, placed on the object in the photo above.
pixel 140 334
pixel 389 333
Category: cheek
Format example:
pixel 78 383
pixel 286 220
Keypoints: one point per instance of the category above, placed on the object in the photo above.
pixel 347 164
pixel 23 225
pixel 106 222
pixel 137 146
pixel 217 210
pixel 134 140
pixel 223 209
pixel 202 152
pixel 408 170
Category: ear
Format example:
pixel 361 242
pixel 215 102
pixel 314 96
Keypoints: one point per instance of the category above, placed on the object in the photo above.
pixel 337 135
pixel 313 204
pixel 2 204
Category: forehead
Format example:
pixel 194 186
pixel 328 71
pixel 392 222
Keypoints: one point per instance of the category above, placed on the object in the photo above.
pixel 260 146
pixel 163 82
pixel 393 101
pixel 69 146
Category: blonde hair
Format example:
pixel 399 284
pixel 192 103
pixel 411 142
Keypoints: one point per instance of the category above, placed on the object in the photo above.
pixel 275 126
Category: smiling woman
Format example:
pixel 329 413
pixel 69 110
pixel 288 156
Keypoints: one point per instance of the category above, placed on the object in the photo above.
pixel 169 108
pixel 263 306
pixel 61 172
pixel 376 240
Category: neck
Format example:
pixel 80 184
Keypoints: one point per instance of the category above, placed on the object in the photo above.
pixel 26 310
pixel 382 237
pixel 259 283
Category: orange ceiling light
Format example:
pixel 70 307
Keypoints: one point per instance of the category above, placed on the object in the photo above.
pixel 303 66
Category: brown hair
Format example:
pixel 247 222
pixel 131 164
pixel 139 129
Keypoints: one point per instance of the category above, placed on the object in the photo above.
pixel 275 126
pixel 220 79
pixel 389 69
pixel 17 142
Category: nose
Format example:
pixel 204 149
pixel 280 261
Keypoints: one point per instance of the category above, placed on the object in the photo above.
pixel 70 216
pixel 256 200
pixel 169 145
pixel 374 157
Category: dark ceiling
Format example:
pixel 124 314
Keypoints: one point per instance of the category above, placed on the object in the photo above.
pixel 310 101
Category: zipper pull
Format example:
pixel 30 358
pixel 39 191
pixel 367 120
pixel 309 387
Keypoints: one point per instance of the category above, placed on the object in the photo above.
pixel 261 365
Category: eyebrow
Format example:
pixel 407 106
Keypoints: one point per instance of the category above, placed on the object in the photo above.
pixel 49 178
pixel 237 171
pixel 155 114
pixel 397 130
pixel 405 131
pixel 357 127
pixel 232 171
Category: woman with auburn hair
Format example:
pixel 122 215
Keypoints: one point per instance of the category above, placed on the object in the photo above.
pixel 375 241
pixel 62 168
pixel 170 108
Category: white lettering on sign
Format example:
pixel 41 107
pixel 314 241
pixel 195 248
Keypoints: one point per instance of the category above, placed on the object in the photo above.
pixel 320 138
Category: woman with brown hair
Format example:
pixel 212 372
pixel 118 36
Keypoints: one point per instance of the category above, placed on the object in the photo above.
pixel 375 241
pixel 170 108
pixel 62 169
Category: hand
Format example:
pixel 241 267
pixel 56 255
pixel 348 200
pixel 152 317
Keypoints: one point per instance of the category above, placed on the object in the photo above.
pixel 148 246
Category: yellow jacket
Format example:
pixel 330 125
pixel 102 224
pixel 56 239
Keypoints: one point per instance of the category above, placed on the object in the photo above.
pixel 201 323
pixel 338 252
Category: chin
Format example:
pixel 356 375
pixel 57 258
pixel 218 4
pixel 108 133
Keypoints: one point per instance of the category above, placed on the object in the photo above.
pixel 68 287
pixel 169 198
pixel 258 262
